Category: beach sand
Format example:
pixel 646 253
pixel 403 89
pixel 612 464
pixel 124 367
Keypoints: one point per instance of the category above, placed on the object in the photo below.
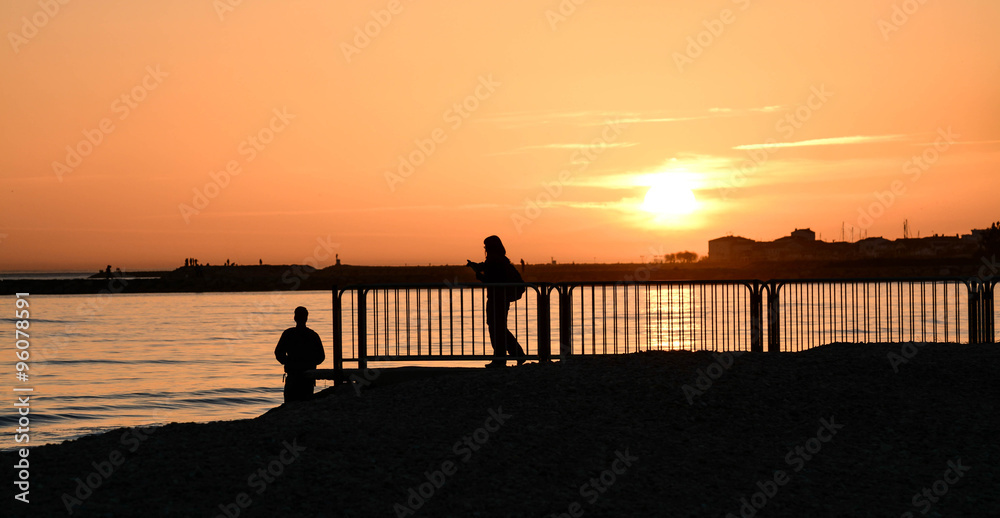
pixel 834 431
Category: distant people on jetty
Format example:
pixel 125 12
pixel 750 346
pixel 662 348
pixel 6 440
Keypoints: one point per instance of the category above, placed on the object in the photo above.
pixel 299 349
pixel 497 268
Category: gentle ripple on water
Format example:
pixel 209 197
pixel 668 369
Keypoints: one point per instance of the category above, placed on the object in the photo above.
pixel 100 363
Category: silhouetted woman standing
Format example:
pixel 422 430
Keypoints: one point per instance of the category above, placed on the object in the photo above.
pixel 495 270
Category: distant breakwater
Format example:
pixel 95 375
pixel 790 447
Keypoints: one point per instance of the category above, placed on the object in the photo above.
pixel 303 277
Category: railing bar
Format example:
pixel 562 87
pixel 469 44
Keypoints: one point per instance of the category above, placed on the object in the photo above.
pixel 843 312
pixel 440 322
pixel 715 317
pixel 375 331
pixel 934 318
pixel 797 317
pixel 923 312
pixel 704 316
pixel 487 341
pixel 593 318
pixel 625 315
pixel 451 321
pixel 604 320
pixel 878 313
pixel 659 316
pixel 911 313
pixel 461 319
pixel 406 293
pixel 944 289
pixel 674 312
pixel 958 314
pixel 899 311
pixel 614 316
pixel 725 318
pixel 354 316
pixel 648 320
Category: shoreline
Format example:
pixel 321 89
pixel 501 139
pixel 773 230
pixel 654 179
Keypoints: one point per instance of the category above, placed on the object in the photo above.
pixel 302 277
pixel 703 430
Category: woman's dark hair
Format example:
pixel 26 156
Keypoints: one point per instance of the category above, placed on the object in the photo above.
pixel 494 247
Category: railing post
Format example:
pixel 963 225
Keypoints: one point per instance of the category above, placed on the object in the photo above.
pixel 565 322
pixel 773 318
pixel 544 325
pixel 338 339
pixel 975 310
pixel 756 318
pixel 987 304
pixel 362 330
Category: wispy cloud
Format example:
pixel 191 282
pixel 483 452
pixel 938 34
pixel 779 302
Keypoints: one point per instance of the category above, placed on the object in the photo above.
pixel 649 120
pixel 572 145
pixel 737 111
pixel 585 117
pixel 622 204
pixel 962 142
pixel 600 117
pixel 354 210
pixel 831 141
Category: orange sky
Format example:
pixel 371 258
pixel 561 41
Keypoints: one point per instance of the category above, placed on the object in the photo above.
pixel 544 122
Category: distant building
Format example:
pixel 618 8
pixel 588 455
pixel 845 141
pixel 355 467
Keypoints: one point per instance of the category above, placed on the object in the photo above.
pixel 801 245
pixel 804 234
pixel 731 249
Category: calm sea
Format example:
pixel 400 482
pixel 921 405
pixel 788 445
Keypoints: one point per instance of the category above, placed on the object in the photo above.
pixel 102 362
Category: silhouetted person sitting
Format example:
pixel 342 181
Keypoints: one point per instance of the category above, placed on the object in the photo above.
pixel 497 269
pixel 299 349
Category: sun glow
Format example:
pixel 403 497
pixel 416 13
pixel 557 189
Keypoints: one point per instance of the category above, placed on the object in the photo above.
pixel 670 194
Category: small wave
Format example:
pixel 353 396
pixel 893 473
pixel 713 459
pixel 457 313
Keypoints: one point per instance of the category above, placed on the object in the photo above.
pixel 224 401
pixel 35 320
pixel 117 362
pixel 36 418
pixel 254 390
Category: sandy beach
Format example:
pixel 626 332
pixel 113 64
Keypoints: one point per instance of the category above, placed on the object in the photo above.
pixel 842 430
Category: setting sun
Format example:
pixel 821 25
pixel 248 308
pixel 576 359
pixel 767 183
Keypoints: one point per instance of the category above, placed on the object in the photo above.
pixel 670 194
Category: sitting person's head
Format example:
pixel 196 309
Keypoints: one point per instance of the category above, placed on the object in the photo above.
pixel 301 315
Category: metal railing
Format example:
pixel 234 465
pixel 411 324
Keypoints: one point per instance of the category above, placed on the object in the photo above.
pixel 988 312
pixel 809 313
pixel 430 322
pixel 424 322
pixel 624 317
